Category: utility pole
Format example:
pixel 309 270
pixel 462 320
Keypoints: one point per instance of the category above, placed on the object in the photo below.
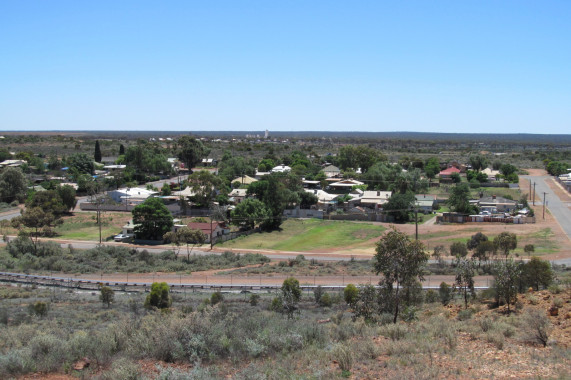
pixel 416 222
pixel 530 189
pixel 544 193
pixel 534 193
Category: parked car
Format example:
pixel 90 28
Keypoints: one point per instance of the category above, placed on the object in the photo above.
pixel 123 237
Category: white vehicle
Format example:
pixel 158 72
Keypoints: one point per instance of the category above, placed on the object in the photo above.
pixel 123 237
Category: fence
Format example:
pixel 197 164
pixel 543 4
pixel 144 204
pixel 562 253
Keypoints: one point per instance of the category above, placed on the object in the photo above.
pixel 250 283
pixel 303 213
pixel 459 218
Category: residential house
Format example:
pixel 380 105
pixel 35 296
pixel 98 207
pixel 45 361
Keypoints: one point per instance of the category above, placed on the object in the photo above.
pixel 245 180
pixel 425 202
pixel 134 195
pixel 446 174
pixel 237 195
pixel 12 163
pixel 211 230
pixel 331 171
pixel 375 199
pixel 209 162
pixel 499 204
pixel 311 184
pixel 345 185
pixel 492 174
pixel 281 169
pixel 325 201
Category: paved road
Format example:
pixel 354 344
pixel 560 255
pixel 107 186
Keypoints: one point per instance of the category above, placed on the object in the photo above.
pixel 9 215
pixel 557 208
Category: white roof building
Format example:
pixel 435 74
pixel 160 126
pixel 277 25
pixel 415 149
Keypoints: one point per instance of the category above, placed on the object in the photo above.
pixel 131 195
pixel 281 169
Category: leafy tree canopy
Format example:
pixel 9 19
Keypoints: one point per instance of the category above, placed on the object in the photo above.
pixel 152 219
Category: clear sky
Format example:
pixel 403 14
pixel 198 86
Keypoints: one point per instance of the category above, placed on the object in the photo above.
pixel 429 66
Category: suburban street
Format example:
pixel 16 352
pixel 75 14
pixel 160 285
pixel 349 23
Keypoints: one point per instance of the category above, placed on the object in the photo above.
pixel 560 210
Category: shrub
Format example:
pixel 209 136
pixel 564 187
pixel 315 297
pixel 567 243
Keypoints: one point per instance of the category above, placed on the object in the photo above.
pixel 159 296
pixel 107 295
pixel 325 300
pixel 344 357
pixel 558 302
pixel 465 314
pixel 254 299
pixel 445 293
pixel 537 327
pixel 430 296
pixel 351 294
pixel 216 297
pixel 317 293
pixel 39 309
pixel 555 289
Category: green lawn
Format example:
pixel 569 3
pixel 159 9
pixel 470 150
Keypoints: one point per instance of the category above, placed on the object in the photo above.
pixel 83 226
pixel 307 235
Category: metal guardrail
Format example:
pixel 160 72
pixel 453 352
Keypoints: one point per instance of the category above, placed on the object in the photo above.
pixel 94 285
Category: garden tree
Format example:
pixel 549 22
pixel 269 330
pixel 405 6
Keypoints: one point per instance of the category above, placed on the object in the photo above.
pixel 557 168
pixel 459 200
pixel 80 163
pixel 190 151
pixel 266 165
pixel 12 185
pixel 107 296
pixel 507 169
pixel 537 273
pixel 381 175
pixel 274 191
pixel 478 162
pixel 475 240
pixel 97 153
pixel 432 167
pixel 36 219
pixel 529 248
pixel 506 279
pixel 234 167
pixel 290 295
pixel 50 201
pixel 478 176
pixel 401 261
pixel 121 150
pixel 159 296
pixel 445 293
pixel 67 195
pixel 36 165
pixel 188 236
pixel 438 252
pixel 410 181
pixel 458 249
pixel 54 163
pixel 249 213
pixel 464 282
pixel 484 250
pixel 399 206
pixel 505 242
pixel 307 199
pixel 146 159
pixel 166 189
pixel 359 156
pixel 351 295
pixel 204 185
pixel 456 177
pixel 5 154
pixel 152 219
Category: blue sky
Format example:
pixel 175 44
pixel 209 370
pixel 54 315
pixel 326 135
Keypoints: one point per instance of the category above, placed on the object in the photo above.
pixel 429 66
